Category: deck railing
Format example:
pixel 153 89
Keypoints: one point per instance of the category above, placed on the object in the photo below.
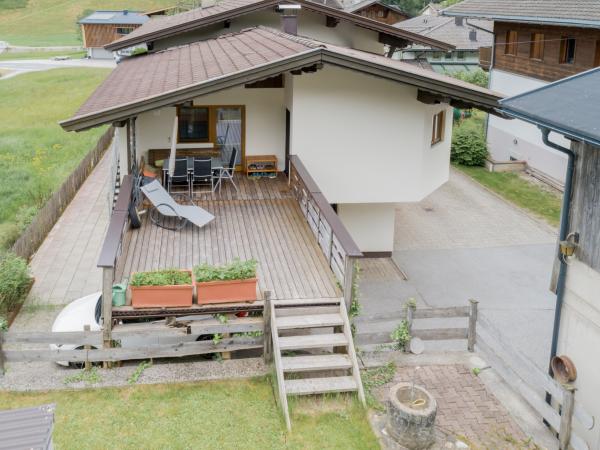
pixel 335 241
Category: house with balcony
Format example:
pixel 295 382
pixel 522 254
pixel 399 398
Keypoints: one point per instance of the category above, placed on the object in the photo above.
pixel 535 43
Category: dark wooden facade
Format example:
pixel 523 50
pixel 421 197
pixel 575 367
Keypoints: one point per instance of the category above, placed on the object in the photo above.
pixel 98 35
pixel 549 67
pixel 382 14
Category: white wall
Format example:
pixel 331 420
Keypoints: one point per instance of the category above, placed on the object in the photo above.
pixel 579 339
pixel 529 147
pixel 265 122
pixel 365 139
pixel 370 225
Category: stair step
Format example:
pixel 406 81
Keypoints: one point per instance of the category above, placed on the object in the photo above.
pixel 307 386
pixel 315 363
pixel 312 341
pixel 310 321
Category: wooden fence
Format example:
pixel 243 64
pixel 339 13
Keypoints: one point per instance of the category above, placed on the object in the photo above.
pixel 368 341
pixel 35 233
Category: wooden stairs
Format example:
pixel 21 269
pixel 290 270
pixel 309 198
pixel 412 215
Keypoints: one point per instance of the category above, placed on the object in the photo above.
pixel 312 349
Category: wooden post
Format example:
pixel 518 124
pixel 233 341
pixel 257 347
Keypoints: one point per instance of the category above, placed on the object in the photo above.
pixel 88 365
pixel 348 280
pixel 472 333
pixel 409 321
pixel 1 353
pixel 267 338
pixel 107 283
pixel 566 416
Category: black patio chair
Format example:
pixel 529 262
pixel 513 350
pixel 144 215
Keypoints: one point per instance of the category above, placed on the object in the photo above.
pixel 202 173
pixel 180 176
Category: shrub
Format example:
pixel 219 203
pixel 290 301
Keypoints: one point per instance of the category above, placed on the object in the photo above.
pixel 468 146
pixel 14 281
pixel 161 278
pixel 478 77
pixel 236 270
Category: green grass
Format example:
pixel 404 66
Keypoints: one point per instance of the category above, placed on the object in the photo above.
pixel 209 415
pixel 53 22
pixel 541 202
pixel 39 55
pixel 36 155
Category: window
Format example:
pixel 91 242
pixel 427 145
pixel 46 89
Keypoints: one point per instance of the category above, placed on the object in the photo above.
pixel 437 132
pixel 193 124
pixel 567 50
pixel 460 55
pixel 437 55
pixel 510 47
pixel 597 55
pixel 124 30
pixel 536 49
pixel 448 55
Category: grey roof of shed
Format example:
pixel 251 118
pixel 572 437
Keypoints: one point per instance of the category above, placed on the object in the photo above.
pixel 122 17
pixel 583 13
pixel 29 428
pixel 175 75
pixel 445 29
pixel 570 106
pixel 160 28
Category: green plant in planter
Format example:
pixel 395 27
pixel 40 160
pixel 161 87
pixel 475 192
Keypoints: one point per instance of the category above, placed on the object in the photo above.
pixel 236 270
pixel 161 278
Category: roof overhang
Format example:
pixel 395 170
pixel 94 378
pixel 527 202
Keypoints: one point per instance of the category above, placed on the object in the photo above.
pixel 526 19
pixel 358 20
pixel 446 91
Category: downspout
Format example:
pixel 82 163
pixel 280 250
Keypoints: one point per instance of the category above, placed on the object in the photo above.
pixel 564 231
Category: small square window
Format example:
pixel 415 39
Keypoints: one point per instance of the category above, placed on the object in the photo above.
pixel 193 124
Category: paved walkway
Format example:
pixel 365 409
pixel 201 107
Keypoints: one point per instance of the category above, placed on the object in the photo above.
pixel 64 267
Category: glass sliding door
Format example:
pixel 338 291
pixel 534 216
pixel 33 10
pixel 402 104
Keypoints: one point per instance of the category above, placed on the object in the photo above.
pixel 229 131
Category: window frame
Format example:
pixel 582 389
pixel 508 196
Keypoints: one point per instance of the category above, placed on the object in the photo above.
pixel 122 27
pixel 597 54
pixel 536 47
pixel 564 49
pixel 209 138
pixel 438 127
pixel 511 43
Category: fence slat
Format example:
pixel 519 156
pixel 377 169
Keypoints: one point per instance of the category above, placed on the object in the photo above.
pixel 49 337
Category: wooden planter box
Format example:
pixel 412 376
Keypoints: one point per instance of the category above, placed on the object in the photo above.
pixel 226 291
pixel 170 296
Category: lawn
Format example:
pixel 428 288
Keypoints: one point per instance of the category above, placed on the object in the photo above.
pixel 208 415
pixel 36 155
pixel 39 55
pixel 54 22
pixel 543 203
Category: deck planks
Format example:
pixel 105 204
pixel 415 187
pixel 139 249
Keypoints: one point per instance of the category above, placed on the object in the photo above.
pixel 261 221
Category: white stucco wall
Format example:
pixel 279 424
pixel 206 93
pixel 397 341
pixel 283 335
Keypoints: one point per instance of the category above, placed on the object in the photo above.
pixel 579 339
pixel 265 122
pixel 518 139
pixel 365 139
pixel 310 25
pixel 370 225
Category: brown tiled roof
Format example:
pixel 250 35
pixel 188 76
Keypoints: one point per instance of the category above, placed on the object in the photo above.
pixel 160 28
pixel 565 12
pixel 175 75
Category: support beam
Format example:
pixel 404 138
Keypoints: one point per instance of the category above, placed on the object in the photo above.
pixel 348 281
pixel 392 41
pixel 107 283
pixel 430 98
pixel 331 22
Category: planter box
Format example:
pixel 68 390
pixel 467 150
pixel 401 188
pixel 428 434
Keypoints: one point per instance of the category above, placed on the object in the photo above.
pixel 226 291
pixel 170 296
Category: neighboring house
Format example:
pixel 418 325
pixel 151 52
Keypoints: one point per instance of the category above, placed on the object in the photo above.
pixel 571 108
pixel 306 18
pixel 536 42
pixel 370 130
pixel 466 36
pixel 379 11
pixel 432 9
pixel 103 27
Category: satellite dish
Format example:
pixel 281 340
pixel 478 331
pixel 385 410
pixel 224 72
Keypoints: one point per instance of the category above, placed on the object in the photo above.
pixel 416 346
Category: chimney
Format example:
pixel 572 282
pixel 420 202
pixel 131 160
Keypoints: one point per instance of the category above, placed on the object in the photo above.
pixel 458 21
pixel 289 18
pixel 473 35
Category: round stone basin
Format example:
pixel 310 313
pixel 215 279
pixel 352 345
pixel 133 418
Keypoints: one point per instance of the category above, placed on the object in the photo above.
pixel 411 416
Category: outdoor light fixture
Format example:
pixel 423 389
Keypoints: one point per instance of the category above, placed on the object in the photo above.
pixel 568 246
pixel 286 8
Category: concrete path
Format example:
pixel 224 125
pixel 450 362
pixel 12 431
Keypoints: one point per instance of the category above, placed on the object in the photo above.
pixel 64 267
pixel 464 242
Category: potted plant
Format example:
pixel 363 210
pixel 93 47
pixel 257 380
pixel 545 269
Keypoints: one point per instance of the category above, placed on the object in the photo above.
pixel 233 282
pixel 167 288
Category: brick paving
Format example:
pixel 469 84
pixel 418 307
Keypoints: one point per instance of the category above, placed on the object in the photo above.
pixel 466 410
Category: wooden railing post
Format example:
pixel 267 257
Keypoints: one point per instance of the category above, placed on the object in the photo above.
pixel 88 365
pixel 107 283
pixel 472 333
pixel 268 342
pixel 348 281
pixel 566 416
pixel 409 323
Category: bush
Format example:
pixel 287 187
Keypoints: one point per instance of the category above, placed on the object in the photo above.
pixel 479 77
pixel 167 277
pixel 14 281
pixel 237 270
pixel 468 146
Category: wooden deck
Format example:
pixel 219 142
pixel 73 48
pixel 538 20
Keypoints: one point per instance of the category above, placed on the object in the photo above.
pixel 262 221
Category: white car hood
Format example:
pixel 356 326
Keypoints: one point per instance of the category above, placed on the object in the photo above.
pixel 77 314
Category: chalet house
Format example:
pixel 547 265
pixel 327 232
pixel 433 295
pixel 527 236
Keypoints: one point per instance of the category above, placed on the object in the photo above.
pixel 536 42
pixel 103 27
pixel 379 11
pixel 319 21
pixel 432 9
pixel 467 37
pixel 570 109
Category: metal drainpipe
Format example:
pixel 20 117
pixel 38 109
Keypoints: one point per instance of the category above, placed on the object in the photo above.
pixel 564 231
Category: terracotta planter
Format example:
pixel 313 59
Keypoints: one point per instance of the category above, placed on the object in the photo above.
pixel 170 296
pixel 226 291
